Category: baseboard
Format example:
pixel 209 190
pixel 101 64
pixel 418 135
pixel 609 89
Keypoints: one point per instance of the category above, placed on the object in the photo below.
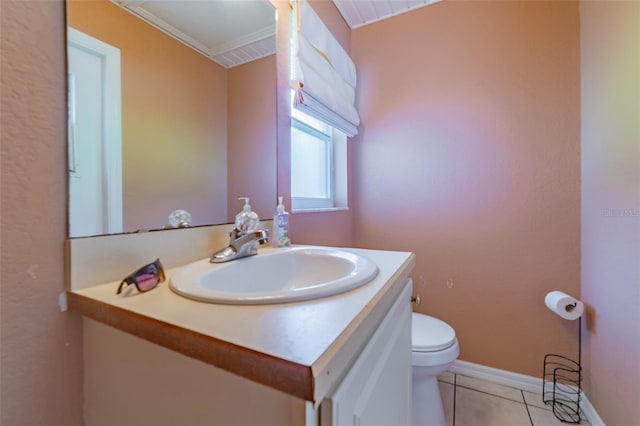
pixel 590 412
pixel 519 381
pixel 495 375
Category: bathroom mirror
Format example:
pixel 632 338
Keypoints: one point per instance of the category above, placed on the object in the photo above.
pixel 172 106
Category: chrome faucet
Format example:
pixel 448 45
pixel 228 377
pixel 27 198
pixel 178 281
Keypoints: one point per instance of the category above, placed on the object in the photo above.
pixel 241 244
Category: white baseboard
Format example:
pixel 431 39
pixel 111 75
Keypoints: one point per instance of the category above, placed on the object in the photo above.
pixel 518 381
pixel 590 412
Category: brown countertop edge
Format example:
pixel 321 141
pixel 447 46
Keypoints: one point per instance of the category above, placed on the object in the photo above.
pixel 286 376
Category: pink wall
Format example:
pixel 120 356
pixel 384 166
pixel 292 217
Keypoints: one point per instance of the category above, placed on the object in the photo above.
pixel 251 137
pixel 610 65
pixel 468 156
pixel 41 348
pixel 331 228
pixel 182 109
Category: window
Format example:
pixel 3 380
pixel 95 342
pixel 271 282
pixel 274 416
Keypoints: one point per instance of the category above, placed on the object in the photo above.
pixel 318 165
pixel 323 81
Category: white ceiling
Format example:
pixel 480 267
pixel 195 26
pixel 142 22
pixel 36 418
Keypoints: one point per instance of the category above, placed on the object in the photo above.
pixel 358 13
pixel 230 32
pixel 233 32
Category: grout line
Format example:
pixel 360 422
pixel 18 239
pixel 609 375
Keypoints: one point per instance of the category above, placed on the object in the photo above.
pixel 454 399
pixel 527 407
pixel 542 406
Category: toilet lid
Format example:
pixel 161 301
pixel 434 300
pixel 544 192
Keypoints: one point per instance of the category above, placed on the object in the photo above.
pixel 430 334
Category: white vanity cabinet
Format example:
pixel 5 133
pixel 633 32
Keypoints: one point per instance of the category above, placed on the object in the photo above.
pixel 377 388
pixel 160 359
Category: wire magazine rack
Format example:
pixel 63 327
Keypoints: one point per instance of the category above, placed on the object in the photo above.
pixel 562 384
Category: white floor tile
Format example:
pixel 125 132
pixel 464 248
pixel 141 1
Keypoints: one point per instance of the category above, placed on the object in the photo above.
pixel 488 387
pixel 446 393
pixel 481 409
pixel 535 400
pixel 542 417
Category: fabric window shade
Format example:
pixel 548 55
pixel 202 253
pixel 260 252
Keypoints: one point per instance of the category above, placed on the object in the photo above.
pixel 324 76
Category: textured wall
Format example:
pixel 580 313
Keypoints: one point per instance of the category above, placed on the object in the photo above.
pixel 468 156
pixel 41 349
pixel 252 137
pixel 610 65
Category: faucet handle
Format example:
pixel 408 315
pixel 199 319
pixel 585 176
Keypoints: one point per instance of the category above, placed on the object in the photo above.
pixel 263 236
pixel 235 234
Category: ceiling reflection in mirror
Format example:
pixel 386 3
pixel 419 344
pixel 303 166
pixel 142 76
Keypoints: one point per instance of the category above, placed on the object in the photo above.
pixel 172 106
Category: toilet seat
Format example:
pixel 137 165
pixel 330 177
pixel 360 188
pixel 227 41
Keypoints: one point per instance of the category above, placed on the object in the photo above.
pixel 430 334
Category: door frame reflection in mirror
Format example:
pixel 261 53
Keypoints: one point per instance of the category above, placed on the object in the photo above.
pixel 95 175
pixel 246 163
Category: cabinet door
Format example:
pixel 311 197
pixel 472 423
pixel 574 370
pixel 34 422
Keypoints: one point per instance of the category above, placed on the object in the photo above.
pixel 377 389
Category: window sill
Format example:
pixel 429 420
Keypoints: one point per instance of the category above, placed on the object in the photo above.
pixel 320 210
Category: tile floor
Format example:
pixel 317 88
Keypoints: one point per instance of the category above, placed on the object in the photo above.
pixel 473 402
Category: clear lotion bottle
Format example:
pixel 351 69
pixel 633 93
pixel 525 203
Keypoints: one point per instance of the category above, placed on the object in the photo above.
pixel 280 226
pixel 247 220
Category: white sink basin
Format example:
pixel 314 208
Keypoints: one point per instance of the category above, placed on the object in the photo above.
pixel 275 276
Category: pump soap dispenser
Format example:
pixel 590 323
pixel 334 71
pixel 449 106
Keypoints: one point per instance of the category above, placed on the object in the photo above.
pixel 280 226
pixel 247 220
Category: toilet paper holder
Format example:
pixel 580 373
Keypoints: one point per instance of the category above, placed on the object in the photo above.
pixel 562 383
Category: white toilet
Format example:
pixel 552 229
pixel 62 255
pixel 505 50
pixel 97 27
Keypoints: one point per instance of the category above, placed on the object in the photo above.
pixel 434 348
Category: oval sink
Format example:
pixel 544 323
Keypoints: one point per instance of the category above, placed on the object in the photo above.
pixel 275 276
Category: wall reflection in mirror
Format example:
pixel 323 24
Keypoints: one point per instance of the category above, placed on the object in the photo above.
pixel 172 106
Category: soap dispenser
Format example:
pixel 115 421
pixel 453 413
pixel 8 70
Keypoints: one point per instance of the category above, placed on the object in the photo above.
pixel 280 226
pixel 247 220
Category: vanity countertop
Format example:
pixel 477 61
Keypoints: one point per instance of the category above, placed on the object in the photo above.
pixel 301 348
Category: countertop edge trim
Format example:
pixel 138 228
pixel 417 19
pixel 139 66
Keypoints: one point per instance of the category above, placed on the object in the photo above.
pixel 286 376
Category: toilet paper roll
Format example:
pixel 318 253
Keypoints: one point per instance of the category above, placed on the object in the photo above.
pixel 564 305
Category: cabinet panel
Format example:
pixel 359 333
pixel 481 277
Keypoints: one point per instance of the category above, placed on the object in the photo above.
pixel 377 389
pixel 129 381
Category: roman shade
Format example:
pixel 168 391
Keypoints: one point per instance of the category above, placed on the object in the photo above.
pixel 323 74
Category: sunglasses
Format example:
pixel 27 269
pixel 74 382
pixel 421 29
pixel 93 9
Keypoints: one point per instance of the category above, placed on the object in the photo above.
pixel 145 278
